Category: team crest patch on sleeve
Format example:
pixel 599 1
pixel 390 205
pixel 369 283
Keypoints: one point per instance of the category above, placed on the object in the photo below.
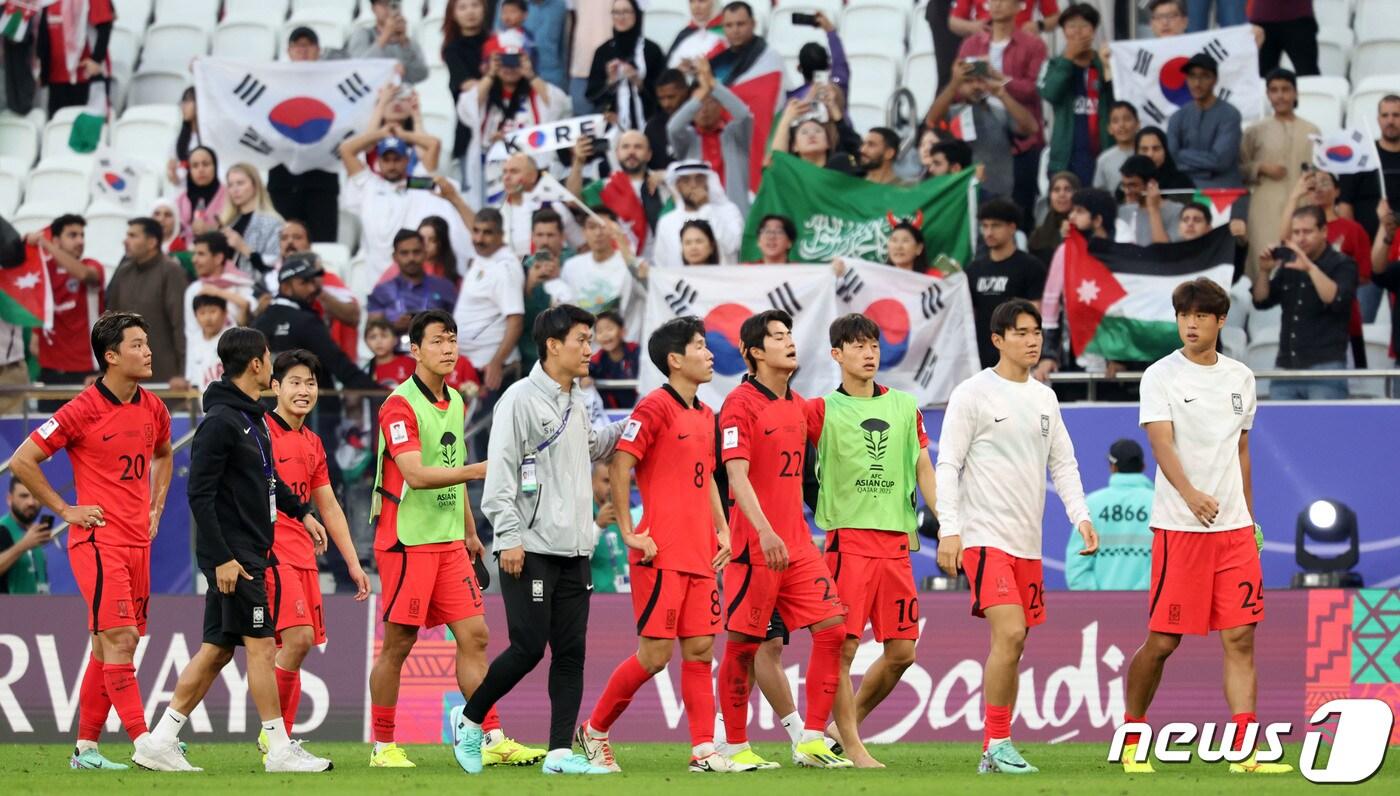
pixel 398 432
pixel 49 427
pixel 731 437
pixel 629 431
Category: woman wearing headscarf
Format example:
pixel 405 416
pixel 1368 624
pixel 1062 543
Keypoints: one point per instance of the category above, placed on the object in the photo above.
pixel 203 199
pixel 1152 142
pixel 171 241
pixel 625 67
pixel 1046 238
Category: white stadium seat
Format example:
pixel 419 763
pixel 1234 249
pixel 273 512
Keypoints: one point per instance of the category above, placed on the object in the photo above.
pixel 60 181
pixel 865 115
pixel 248 40
pixel 430 40
pixel 157 86
pixel 1376 56
pixel 832 8
pixel 123 48
pixel 1332 13
pixel 334 256
pixel 874 76
pixel 921 78
pixel 1376 18
pixel 169 115
pixel 203 14
pixel 1263 353
pixel 342 10
pixel 436 8
pixel 442 126
pixel 788 38
pixel 1365 100
pixel 132 14
pixel 149 142
pixel 11 184
pixel 271 12
pixel 1321 100
pixel 881 21
pixel 347 230
pixel 920 39
pixel 106 229
pixel 19 138
pixel 173 46
pixel 56 132
pixel 1334 47
pixel 34 215
pixel 662 25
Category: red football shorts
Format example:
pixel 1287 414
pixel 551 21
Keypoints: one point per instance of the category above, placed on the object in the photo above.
pixel 672 604
pixel 999 578
pixel 427 588
pixel 878 590
pixel 804 594
pixel 1203 581
pixel 116 582
pixel 295 597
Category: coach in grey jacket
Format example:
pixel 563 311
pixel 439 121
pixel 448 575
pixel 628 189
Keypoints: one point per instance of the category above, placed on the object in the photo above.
pixel 538 497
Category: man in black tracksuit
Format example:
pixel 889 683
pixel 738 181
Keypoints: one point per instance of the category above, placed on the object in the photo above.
pixel 234 495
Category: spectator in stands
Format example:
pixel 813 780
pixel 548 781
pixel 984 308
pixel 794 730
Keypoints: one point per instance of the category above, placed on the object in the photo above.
pixel 510 27
pixel 385 205
pixel 970 17
pixel 387 364
pixel 547 234
pixel 623 77
pixel 1315 287
pixel 672 90
pixel 949 157
pixel 545 22
pixel 1168 17
pixel 905 248
pixel 23 534
pixel 1121 512
pixel 615 359
pixel 801 131
pixel 776 236
pixel 1320 189
pixel 1046 238
pixel 878 150
pixel 1152 142
pixel 699 130
pixel 172 237
pixel 520 176
pixel 439 259
pixel 1014 57
pixel 698 246
pixel 631 191
pixel 216 275
pixel 490 307
pixel 609 571
pixel 203 198
pixel 1361 192
pixel 1079 85
pixel 249 222
pixel 337 304
pixel 464 34
pixel 1204 135
pixel 72 39
pixel 831 59
pixel 14 370
pixel 186 140
pixel 1143 218
pixel 202 364
pixel 1227 14
pixel 1093 212
pixel 599 276
pixel 697 187
pixel 399 108
pixel 153 286
pixel 1002 273
pixel 1123 127
pixel 509 96
pixel 592 25
pixel 389 38
pixel 1270 154
pixel 412 290
pixel 313 195
pixel 980 111
pixel 543 289
pixel 938 13
pixel 1289 26
pixel 76 283
pixel 1385 274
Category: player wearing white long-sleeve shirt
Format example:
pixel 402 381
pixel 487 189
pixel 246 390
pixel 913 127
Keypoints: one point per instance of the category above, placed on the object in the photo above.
pixel 1001 430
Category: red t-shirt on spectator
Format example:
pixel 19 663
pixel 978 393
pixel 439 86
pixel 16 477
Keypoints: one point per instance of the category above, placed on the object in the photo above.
pixel 394 372
pixel 99 12
pixel 344 335
pixel 76 306
pixel 977 9
pixel 464 373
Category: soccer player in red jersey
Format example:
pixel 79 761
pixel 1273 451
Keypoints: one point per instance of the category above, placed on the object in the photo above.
pixel 676 549
pixel 763 440
pixel 118 439
pixel 293 583
pixel 853 430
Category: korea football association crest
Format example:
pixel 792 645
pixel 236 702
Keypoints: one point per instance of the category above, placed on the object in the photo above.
pixel 1237 401
pixel 259 616
pixel 1045 425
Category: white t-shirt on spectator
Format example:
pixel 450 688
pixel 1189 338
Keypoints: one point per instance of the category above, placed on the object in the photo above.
pixel 1209 408
pixel 384 208
pixel 231 279
pixel 202 364
pixel 518 224
pixel 597 285
pixel 492 289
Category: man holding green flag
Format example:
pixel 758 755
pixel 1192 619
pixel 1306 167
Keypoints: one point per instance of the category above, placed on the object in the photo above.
pixel 872 452
pixel 845 216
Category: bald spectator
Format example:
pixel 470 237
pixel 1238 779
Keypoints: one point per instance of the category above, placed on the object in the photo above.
pixel 153 286
pixel 520 176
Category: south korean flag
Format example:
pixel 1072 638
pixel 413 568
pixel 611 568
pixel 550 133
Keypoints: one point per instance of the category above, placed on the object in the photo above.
pixel 1148 72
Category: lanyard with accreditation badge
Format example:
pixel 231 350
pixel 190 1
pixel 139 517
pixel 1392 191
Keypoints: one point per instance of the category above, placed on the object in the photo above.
pixel 529 484
pixel 268 473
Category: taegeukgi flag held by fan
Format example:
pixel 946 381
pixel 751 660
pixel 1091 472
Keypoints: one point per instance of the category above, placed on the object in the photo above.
pixel 1147 72
pixel 1118 297
pixel 271 113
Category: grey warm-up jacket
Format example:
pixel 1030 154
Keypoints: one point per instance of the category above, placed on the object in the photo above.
pixel 557 519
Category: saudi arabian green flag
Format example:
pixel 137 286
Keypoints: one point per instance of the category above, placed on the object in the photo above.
pixel 838 215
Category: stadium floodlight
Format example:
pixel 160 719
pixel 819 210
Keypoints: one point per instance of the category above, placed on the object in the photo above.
pixel 1331 524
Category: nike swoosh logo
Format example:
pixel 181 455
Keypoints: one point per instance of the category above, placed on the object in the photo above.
pixel 904 628
pixel 107 437
pixel 280 460
pixel 682 436
pixel 768 431
pixel 999 419
pixel 246 430
pixel 1188 400
pixel 590 587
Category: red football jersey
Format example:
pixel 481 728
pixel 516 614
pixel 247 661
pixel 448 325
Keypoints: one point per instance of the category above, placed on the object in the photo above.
pixel 301 463
pixel 394 372
pixel 464 373
pixel 110 445
pixel 398 425
pixel 674 443
pixel 771 433
pixel 76 307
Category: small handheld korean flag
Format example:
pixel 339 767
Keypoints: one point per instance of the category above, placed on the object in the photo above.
pixel 115 180
pixel 1347 151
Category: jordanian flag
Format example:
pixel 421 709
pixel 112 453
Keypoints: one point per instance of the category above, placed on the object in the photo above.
pixel 838 215
pixel 25 297
pixel 1118 297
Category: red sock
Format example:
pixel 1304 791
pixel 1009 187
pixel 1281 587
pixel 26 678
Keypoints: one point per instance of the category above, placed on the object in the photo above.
pixel 93 702
pixel 1241 722
pixel 1133 738
pixel 288 694
pixel 823 675
pixel 698 696
pixel 617 694
pixel 998 724
pixel 734 688
pixel 382 720
pixel 492 720
pixel 126 697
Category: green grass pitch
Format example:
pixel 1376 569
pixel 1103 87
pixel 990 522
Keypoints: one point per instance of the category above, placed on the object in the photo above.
pixel 654 770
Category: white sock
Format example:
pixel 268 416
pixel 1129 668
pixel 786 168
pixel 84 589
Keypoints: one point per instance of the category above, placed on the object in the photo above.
pixel 702 751
pixel 995 741
pixel 468 724
pixel 492 737
pixel 792 722
pixel 810 735
pixel 277 739
pixel 558 754
pixel 379 746
pixel 595 734
pixel 168 730
pixel 83 746
pixel 720 734
pixel 736 748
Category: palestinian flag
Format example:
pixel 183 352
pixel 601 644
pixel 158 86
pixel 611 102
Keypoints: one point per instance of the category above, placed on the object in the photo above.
pixel 1118 297
pixel 25 296
pixel 756 77
pixel 1221 203
pixel 698 42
